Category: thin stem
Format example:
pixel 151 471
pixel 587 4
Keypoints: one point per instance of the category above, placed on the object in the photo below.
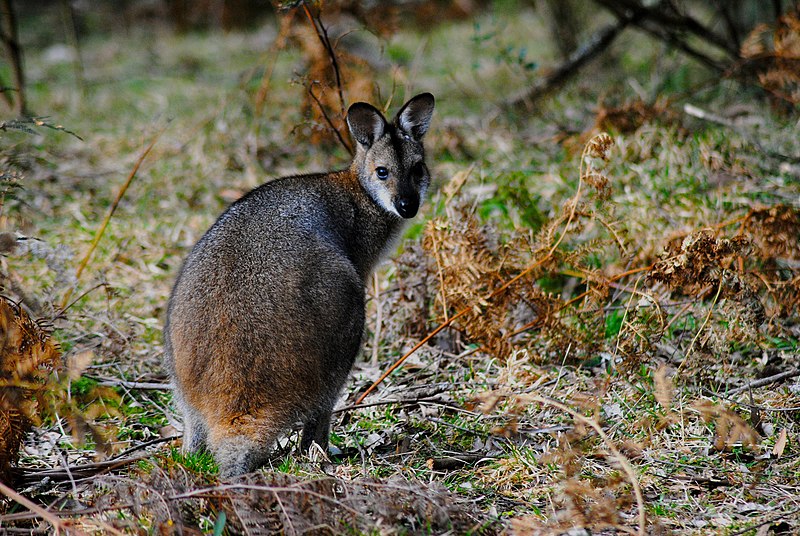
pixel 330 122
pixel 99 234
pixel 621 459
pixel 54 521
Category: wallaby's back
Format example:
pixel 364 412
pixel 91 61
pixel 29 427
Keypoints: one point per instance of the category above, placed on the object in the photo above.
pixel 266 316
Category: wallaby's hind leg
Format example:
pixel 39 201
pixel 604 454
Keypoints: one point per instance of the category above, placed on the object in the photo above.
pixel 195 434
pixel 195 430
pixel 316 429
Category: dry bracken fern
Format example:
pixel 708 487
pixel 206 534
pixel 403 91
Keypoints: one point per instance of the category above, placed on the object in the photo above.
pixel 27 357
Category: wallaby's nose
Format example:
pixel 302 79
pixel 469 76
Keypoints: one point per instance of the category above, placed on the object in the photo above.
pixel 406 207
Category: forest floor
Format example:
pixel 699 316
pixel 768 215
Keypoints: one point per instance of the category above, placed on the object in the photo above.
pixel 618 297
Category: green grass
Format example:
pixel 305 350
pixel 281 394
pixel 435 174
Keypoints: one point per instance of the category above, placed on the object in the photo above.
pixel 198 462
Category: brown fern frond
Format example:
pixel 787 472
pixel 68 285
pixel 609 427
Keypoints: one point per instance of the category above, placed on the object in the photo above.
pixel 27 357
pixel 775 231
pixel 774 54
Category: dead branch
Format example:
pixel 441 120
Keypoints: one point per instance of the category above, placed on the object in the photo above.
pixel 592 48
pixel 145 386
pixel 57 524
pixel 659 20
pixel 765 381
pixel 753 528
pixel 753 139
pixel 750 405
pixel 80 473
pixel 328 120
pixel 663 15
pixel 450 463
pixel 322 35
pixel 730 26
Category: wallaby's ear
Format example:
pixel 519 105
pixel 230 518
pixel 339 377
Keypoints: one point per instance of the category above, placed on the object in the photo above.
pixel 366 123
pixel 414 117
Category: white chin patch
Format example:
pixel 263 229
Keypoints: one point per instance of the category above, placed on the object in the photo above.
pixel 384 199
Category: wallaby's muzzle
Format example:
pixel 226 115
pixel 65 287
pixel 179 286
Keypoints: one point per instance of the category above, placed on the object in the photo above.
pixel 407 207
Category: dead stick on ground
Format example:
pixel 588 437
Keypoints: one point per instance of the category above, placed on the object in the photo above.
pixel 621 459
pixel 99 234
pixel 54 521
pixel 416 347
pixel 765 381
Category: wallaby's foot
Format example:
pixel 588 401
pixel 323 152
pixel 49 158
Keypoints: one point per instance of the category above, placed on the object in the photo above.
pixel 243 444
pixel 239 455
pixel 317 429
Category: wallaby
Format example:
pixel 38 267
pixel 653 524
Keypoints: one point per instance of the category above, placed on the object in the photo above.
pixel 267 314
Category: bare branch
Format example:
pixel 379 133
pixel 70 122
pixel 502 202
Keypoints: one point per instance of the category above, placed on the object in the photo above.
pixel 328 120
pixel 592 48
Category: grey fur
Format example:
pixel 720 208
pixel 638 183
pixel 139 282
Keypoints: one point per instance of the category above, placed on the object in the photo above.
pixel 267 314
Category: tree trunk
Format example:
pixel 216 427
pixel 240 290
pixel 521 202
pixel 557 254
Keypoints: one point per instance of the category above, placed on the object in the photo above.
pixel 8 34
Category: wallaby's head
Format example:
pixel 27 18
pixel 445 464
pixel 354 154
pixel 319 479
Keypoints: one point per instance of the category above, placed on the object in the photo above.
pixel 390 160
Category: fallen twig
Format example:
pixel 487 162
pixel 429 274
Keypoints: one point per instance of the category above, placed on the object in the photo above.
pixel 57 524
pixel 752 528
pixel 456 462
pixel 704 115
pixel 765 381
pixel 155 386
pixel 749 405
pixel 405 402
pixel 78 472
pixel 144 446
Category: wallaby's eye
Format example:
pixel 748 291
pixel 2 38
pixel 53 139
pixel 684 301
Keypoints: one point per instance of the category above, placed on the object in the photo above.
pixel 382 173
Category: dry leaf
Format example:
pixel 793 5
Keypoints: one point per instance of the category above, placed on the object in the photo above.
pixel 78 363
pixel 780 444
pixel 664 388
pixel 27 356
pixel 731 429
